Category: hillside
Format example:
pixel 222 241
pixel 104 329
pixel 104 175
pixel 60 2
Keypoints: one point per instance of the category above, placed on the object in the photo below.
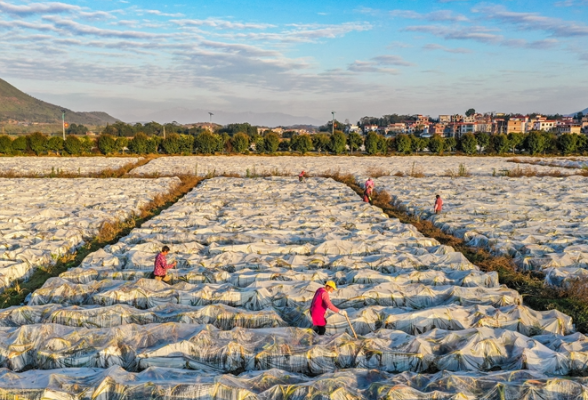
pixel 19 106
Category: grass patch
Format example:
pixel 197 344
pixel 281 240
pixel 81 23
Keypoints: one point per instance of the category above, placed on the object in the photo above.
pixel 109 233
pixel 377 172
pixel 571 300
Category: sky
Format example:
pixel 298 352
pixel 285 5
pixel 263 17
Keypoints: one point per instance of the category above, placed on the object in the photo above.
pixel 135 58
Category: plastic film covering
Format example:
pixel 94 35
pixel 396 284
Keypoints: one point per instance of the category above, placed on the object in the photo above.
pixel 73 165
pixel 43 219
pixel 538 221
pixel 361 167
pixel 234 321
pixel 356 384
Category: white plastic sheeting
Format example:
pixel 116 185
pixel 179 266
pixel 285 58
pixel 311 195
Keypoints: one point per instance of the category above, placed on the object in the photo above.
pixel 75 165
pixel 541 222
pixel 358 166
pixel 274 384
pixel 563 162
pixel 251 253
pixel 42 219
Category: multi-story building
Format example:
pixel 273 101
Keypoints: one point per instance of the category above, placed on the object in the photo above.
pixel 467 127
pixel 569 128
pixel 445 118
pixel 399 127
pixel 544 125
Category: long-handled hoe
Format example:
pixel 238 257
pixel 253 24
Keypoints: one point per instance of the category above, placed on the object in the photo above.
pixel 351 326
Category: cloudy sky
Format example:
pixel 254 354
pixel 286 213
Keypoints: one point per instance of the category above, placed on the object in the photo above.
pixel 307 58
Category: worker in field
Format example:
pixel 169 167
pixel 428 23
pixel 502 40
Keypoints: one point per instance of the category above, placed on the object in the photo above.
pixel 319 306
pixel 302 176
pixel 368 190
pixel 438 205
pixel 161 266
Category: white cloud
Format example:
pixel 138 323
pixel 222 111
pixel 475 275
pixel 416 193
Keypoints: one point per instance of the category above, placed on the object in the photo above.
pixel 534 21
pixel 458 50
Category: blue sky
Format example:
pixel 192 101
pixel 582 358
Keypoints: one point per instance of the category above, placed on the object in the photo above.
pixel 133 58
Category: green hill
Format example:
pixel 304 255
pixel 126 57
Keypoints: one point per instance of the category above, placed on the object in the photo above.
pixel 19 106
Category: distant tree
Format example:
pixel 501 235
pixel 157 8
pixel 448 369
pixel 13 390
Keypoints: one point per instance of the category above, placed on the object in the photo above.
pixel 106 144
pixel 5 144
pixel 271 142
pixel 499 143
pixel 320 141
pixel 382 144
pixel 579 116
pixel 121 143
pixel 88 144
pixel 259 143
pixel 338 142
pixel 372 143
pixel 468 143
pixel 567 143
pixel 186 144
pixel 206 142
pixel 55 144
pixel 138 144
pixel 450 143
pixel 403 144
pixel 301 143
pixel 483 140
pixel 171 144
pixel 470 112
pixel 20 144
pixel 284 145
pixel 418 143
pixel 223 142
pixel 37 142
pixel 515 139
pixel 436 144
pixel 72 145
pixel 153 144
pixel 354 140
pixel 75 129
pixel 240 142
pixel 535 142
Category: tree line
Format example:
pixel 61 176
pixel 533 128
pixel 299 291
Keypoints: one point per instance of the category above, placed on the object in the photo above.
pixel 269 142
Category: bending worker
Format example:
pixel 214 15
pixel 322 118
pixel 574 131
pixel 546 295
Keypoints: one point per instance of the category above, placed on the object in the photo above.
pixel 161 266
pixel 320 303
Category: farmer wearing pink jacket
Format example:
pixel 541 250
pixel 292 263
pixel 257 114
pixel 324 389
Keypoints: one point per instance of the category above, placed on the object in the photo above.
pixel 161 266
pixel 318 308
pixel 438 204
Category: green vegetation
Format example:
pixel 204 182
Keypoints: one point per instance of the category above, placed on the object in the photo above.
pixel 16 105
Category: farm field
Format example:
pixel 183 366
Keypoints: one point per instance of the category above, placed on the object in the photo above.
pixel 234 322
pixel 541 222
pixel 74 165
pixel 42 219
pixel 361 167
pixel 566 162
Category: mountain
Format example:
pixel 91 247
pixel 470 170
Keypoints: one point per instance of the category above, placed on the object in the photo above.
pixel 584 111
pixel 19 106
pixel 186 116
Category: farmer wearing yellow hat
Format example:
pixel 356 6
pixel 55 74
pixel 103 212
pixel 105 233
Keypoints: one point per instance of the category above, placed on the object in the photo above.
pixel 318 308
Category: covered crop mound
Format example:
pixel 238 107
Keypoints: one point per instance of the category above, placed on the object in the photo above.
pixel 73 165
pixel 360 167
pixel 541 222
pixel 234 321
pixel 43 219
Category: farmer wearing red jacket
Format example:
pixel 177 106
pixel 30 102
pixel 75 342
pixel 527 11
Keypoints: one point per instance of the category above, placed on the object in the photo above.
pixel 438 205
pixel 161 266
pixel 320 303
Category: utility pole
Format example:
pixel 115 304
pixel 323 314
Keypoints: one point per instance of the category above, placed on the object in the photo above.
pixel 333 112
pixel 63 123
pixel 210 120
